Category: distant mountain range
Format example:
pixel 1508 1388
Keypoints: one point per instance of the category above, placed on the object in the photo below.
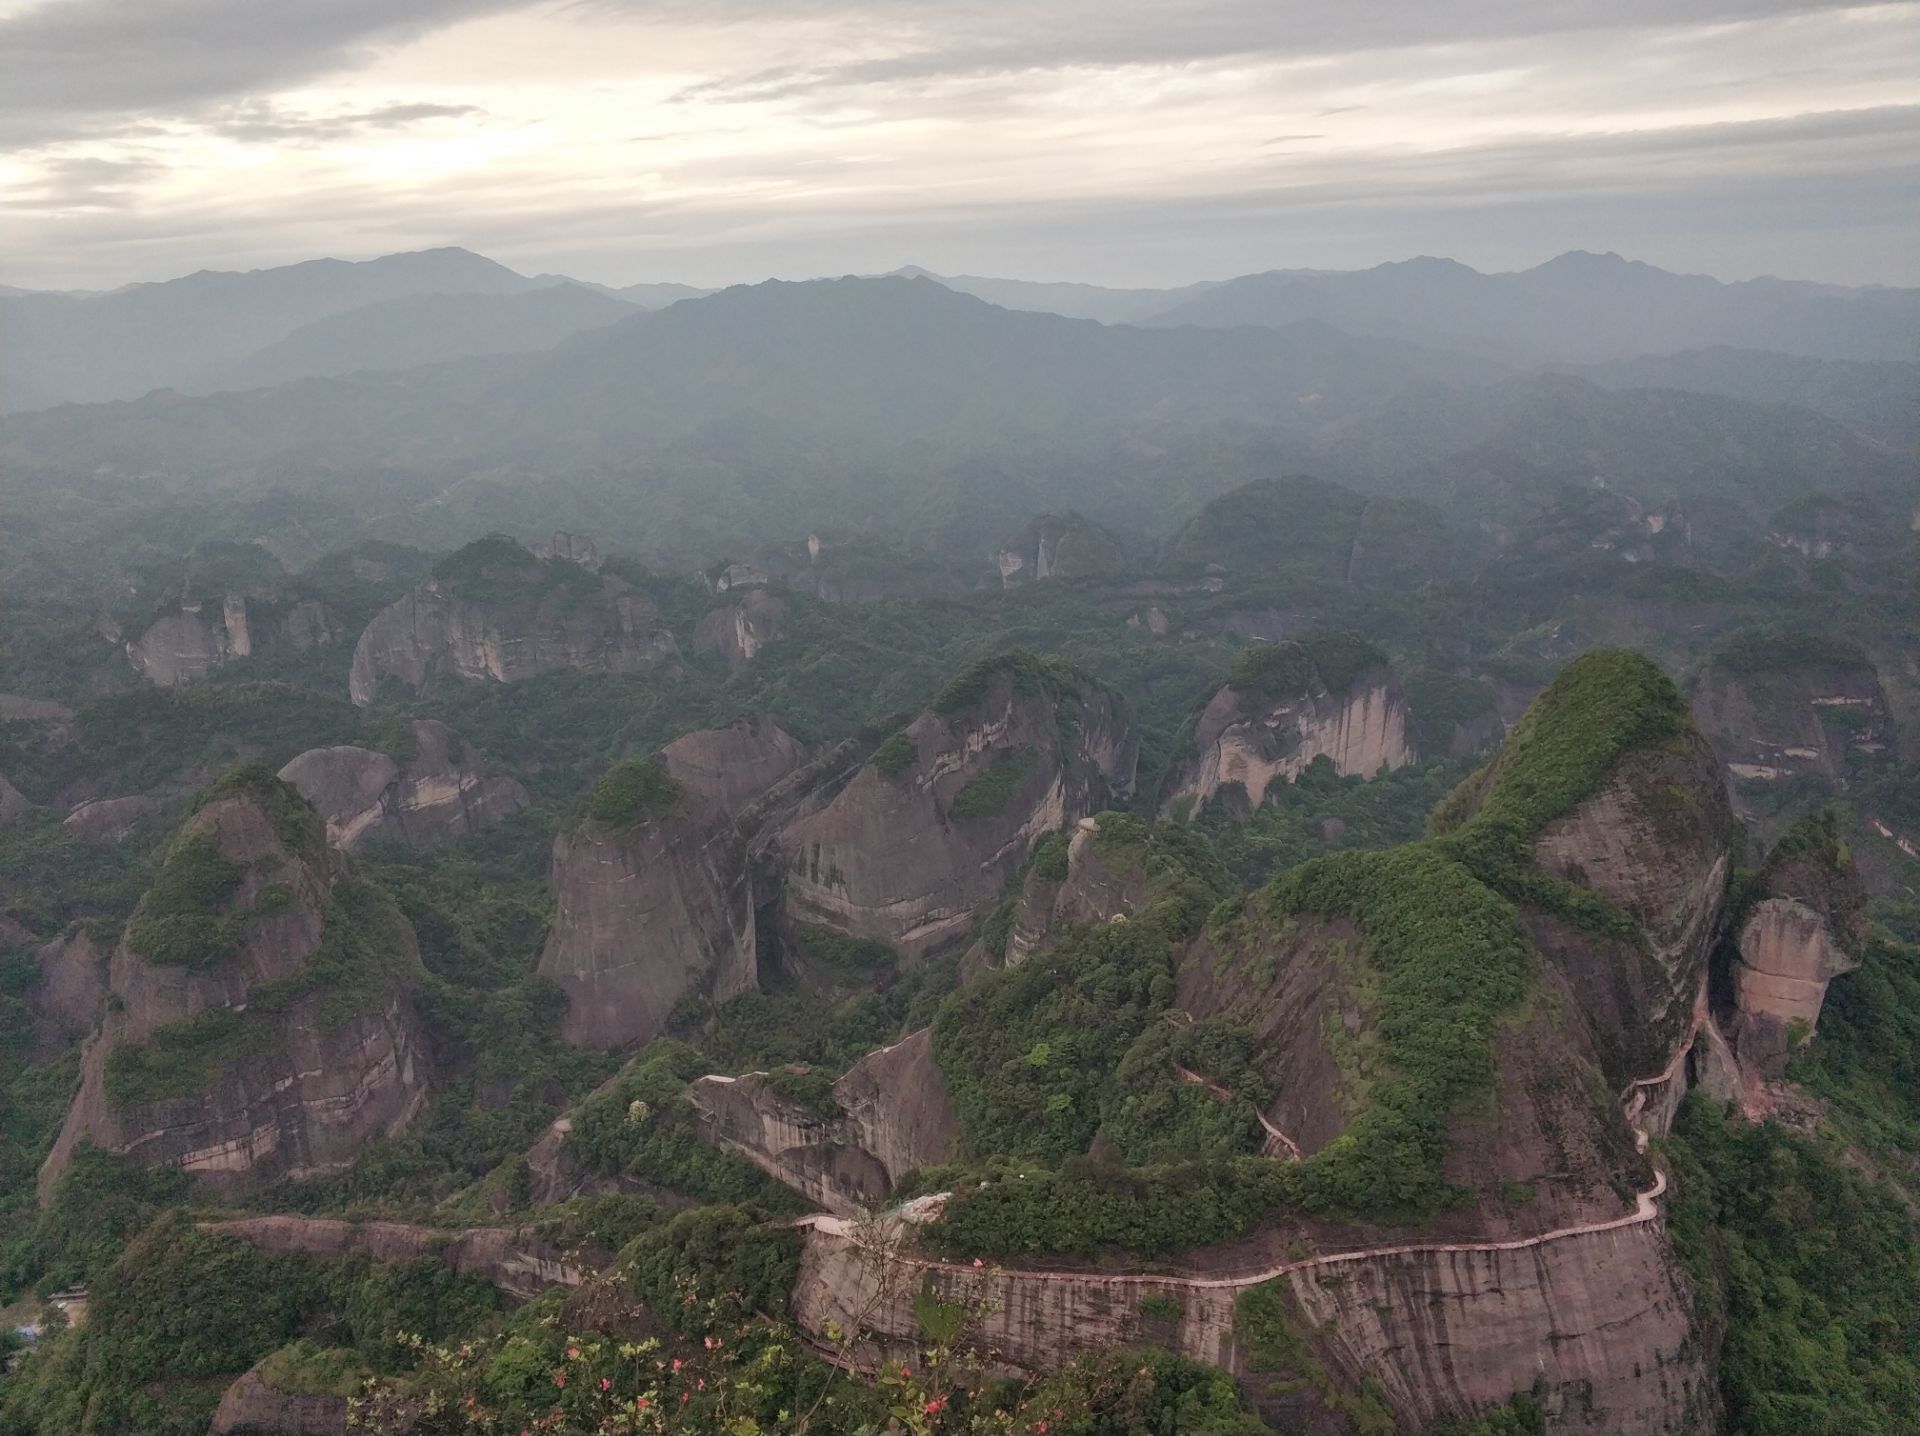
pixel 214 331
pixel 900 406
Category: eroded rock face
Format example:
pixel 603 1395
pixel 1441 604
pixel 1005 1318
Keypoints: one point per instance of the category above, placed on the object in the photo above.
pixel 1057 546
pixel 1817 717
pixel 1806 928
pixel 187 645
pixel 251 1407
pixel 737 631
pixel 440 795
pixel 894 1116
pixel 1254 743
pixel 290 1089
pixel 111 820
pixel 512 1258
pixel 1095 890
pixel 647 914
pixel 505 616
pixel 71 994
pixel 907 860
pixel 1655 841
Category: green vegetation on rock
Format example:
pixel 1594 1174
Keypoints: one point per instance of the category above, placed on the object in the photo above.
pixel 988 792
pixel 633 792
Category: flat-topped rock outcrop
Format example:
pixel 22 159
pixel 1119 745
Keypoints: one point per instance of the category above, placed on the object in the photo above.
pixel 440 793
pixel 495 612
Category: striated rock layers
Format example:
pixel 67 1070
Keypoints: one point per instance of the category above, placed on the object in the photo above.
pixel 929 831
pixel 259 1024
pixel 648 912
pixel 1058 546
pixel 1785 708
pixel 494 611
pixel 440 794
pixel 1270 725
pixel 200 635
pixel 892 1115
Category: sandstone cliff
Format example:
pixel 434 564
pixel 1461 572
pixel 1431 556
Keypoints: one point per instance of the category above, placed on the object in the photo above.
pixel 202 633
pixel 253 1407
pixel 1804 926
pixel 1781 708
pixel 1102 879
pixel 259 1025
pixel 1058 546
pixel 495 612
pixel 14 804
pixel 928 831
pixel 1286 705
pixel 891 1115
pixel 71 994
pixel 740 629
pixel 651 909
pixel 111 820
pixel 441 792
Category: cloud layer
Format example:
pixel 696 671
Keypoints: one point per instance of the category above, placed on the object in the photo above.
pixel 1107 139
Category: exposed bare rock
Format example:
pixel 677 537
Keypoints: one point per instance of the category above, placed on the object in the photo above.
pixel 512 1258
pixel 1595 1321
pixel 893 1116
pixel 494 612
pixel 1806 928
pixel 188 644
pixel 111 820
pixel 574 548
pixel 1656 841
pixel 1781 709
pixel 193 1068
pixel 440 795
pixel 251 1407
pixel 1058 546
pixel 908 858
pixel 1257 734
pixel 14 804
pixel 71 994
pixel 308 625
pixel 1095 889
pixel 648 913
pixel 739 630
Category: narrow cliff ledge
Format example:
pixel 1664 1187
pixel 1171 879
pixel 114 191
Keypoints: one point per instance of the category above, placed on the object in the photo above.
pixel 439 794
pixel 654 894
pixel 495 611
pixel 928 831
pixel 259 1022
pixel 1283 706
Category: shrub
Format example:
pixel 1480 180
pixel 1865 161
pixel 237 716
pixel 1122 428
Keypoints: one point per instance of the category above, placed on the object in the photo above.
pixel 633 792
pixel 988 792
pixel 896 756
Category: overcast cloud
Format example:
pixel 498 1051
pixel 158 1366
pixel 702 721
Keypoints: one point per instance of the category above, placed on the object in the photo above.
pixel 1111 140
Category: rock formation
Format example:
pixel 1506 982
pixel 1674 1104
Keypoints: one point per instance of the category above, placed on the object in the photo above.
pixel 71 994
pixel 1279 713
pixel 439 795
pixel 740 629
pixel 189 643
pixel 493 611
pixel 927 832
pixel 1058 546
pixel 252 1407
pixel 111 820
pixel 1094 889
pixel 14 805
pixel 1784 708
pixel 1805 926
pixel 649 911
pixel 892 1116
pixel 259 1025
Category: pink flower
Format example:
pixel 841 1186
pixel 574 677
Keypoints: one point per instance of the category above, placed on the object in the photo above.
pixel 573 1353
pixel 559 1378
pixel 977 1262
pixel 935 1406
pixel 686 1396
pixel 605 1385
pixel 677 1364
pixel 640 1402
pixel 701 1384
pixel 905 1372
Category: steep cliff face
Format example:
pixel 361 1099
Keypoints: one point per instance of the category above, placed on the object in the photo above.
pixel 495 612
pixel 1102 880
pixel 653 907
pixel 1058 546
pixel 253 1407
pixel 739 630
pixel 71 994
pixel 927 832
pixel 439 795
pixel 1781 708
pixel 111 820
pixel 891 1115
pixel 204 632
pixel 259 1025
pixel 14 805
pixel 1806 926
pixel 1285 707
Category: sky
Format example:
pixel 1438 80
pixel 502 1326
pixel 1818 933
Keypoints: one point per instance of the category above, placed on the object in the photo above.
pixel 1131 142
